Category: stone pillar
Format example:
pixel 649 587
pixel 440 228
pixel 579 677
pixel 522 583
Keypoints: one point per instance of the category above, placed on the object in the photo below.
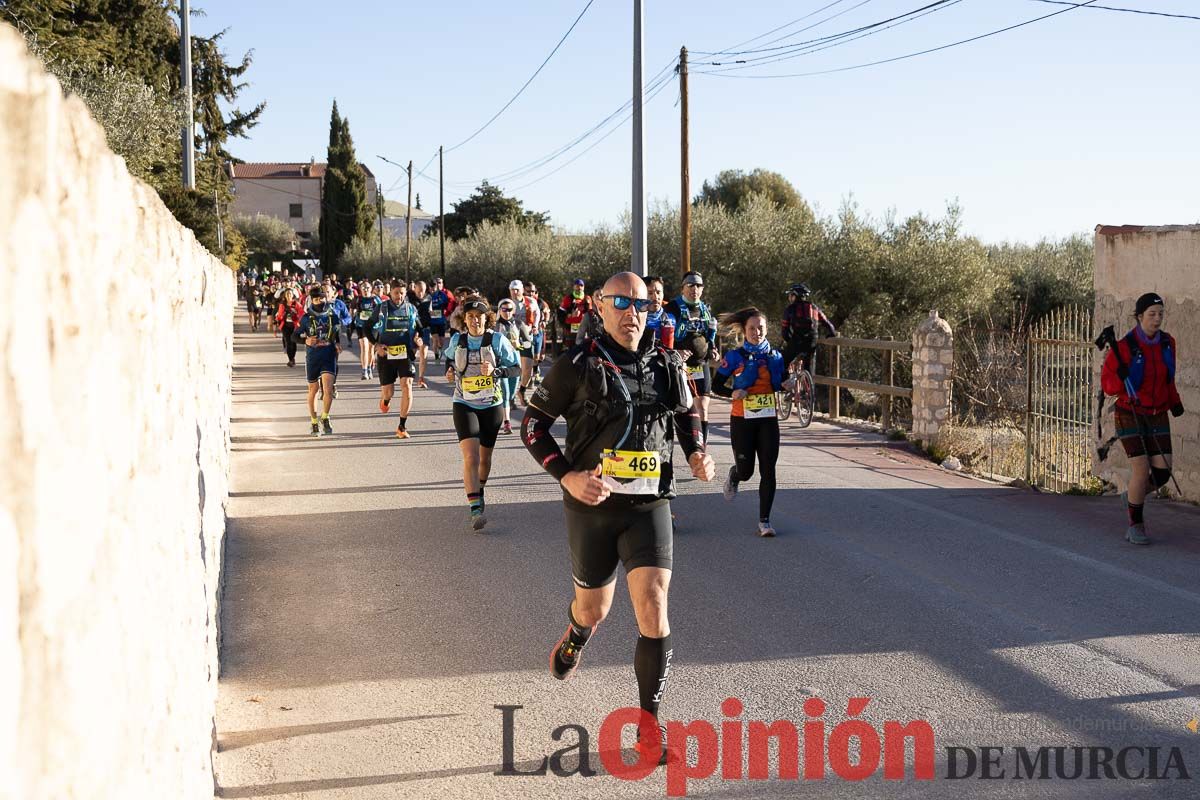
pixel 933 365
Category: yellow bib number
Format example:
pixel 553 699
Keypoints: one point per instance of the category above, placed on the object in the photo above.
pixel 397 351
pixel 631 471
pixel 435 313
pixel 478 383
pixel 758 406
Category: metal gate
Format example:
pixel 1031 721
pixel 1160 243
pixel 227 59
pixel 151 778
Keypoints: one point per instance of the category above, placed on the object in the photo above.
pixel 1058 422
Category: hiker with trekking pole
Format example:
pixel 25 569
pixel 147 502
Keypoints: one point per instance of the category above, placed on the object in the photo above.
pixel 1139 371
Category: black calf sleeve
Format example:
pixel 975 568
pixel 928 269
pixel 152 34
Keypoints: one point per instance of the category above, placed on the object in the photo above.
pixel 652 665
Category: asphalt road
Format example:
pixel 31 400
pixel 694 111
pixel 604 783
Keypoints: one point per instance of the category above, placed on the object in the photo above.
pixel 367 636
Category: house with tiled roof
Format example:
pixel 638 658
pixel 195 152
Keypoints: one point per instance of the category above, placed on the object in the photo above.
pixel 288 191
pixel 395 219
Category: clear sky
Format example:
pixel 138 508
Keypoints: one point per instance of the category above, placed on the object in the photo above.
pixel 1089 117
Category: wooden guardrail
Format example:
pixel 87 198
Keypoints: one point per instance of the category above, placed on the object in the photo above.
pixel 886 390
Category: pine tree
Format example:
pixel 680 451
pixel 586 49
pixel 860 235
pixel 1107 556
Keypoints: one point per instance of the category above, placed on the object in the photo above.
pixel 345 210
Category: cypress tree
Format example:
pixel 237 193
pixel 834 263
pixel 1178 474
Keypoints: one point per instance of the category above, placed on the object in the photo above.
pixel 345 211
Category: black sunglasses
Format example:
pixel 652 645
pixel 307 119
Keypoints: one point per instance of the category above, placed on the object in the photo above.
pixel 621 302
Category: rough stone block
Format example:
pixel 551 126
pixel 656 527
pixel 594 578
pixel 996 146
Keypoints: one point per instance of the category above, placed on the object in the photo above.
pixel 118 507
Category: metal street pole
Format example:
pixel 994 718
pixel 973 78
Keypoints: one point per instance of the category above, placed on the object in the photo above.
pixel 442 212
pixel 685 199
pixel 408 231
pixel 638 263
pixel 189 110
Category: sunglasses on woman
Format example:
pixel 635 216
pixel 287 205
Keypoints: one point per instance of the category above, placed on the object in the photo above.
pixel 621 302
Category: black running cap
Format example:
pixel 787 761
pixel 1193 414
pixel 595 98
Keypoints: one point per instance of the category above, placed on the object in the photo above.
pixel 475 305
pixel 1145 301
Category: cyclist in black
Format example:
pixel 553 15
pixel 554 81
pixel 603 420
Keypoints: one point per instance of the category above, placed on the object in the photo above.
pixel 801 320
pixel 622 397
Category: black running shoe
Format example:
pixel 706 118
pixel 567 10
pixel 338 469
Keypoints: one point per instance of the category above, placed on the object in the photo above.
pixel 564 658
pixel 316 429
pixel 328 428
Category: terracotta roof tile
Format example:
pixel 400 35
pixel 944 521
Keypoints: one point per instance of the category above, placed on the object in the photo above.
pixel 293 170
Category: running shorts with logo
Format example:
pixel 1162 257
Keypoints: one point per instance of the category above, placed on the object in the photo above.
pixel 319 361
pixel 619 531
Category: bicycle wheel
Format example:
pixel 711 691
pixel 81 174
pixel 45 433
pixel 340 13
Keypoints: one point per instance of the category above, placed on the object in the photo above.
pixel 805 396
pixel 784 402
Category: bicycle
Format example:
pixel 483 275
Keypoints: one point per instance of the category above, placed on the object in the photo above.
pixel 800 396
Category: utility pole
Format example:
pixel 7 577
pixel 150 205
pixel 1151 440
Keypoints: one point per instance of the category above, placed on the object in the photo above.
pixel 189 109
pixel 442 211
pixel 685 201
pixel 408 230
pixel 638 245
pixel 379 203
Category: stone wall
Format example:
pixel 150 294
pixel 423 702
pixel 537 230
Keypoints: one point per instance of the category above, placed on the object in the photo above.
pixel 115 374
pixel 932 371
pixel 1130 261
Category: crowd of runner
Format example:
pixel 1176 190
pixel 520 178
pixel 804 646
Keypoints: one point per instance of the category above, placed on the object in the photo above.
pixel 631 373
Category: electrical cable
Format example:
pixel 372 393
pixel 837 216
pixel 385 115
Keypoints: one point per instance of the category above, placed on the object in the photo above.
pixel 526 84
pixel 927 51
pixel 1126 10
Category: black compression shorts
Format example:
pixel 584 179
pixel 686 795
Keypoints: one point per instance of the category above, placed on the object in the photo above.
pixel 390 369
pixel 478 423
pixel 633 535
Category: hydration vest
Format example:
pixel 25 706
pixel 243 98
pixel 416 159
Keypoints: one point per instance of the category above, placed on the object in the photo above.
pixel 395 323
pixel 1137 359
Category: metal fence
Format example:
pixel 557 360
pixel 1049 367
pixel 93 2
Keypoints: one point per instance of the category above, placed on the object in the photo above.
pixel 1022 398
pixel 1058 425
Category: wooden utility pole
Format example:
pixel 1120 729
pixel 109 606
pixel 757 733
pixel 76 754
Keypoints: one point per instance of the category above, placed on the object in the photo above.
pixel 408 230
pixel 442 212
pixel 685 200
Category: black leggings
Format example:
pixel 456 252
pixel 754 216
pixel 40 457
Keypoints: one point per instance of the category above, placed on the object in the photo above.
pixel 756 437
pixel 289 344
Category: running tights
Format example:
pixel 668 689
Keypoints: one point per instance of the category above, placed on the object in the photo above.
pixel 751 438
pixel 289 344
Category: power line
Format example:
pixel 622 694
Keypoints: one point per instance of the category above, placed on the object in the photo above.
pixel 517 173
pixel 801 48
pixel 837 40
pixel 764 48
pixel 721 73
pixel 653 94
pixel 660 77
pixel 1127 10
pixel 526 84
pixel 653 87
pixel 729 51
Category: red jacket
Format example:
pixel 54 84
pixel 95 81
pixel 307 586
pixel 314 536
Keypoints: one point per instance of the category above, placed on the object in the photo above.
pixel 297 311
pixel 1150 373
